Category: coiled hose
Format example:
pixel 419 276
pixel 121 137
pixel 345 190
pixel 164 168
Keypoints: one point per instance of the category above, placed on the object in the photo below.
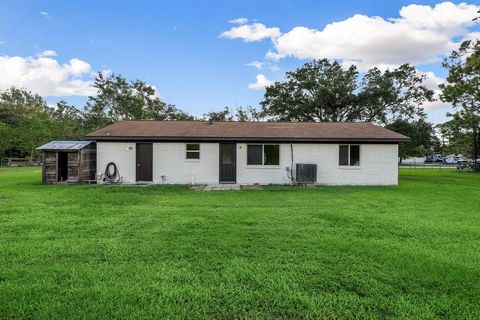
pixel 112 175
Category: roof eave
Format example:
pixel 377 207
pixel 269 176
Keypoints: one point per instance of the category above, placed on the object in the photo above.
pixel 48 146
pixel 60 150
pixel 274 139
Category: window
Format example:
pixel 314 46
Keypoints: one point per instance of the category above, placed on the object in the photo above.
pixel 343 156
pixel 349 155
pixel 254 154
pixel 271 154
pixel 193 151
pixel 354 155
pixel 263 154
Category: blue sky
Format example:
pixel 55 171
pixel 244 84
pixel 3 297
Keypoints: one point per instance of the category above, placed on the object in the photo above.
pixel 177 45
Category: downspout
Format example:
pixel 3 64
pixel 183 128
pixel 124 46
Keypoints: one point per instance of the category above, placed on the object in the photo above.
pixel 291 162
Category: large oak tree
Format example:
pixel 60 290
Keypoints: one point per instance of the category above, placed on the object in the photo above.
pixel 324 90
pixel 462 89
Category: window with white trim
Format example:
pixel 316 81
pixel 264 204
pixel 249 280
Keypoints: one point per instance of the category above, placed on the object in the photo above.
pixel 263 154
pixel 193 151
pixel 349 155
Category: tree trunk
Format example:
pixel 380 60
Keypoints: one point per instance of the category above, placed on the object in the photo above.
pixel 475 144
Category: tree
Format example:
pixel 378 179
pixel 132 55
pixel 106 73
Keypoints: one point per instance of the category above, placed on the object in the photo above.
pixel 16 104
pixel 6 136
pixel 33 131
pixel 224 115
pixel 118 99
pixel 455 140
pixel 324 90
pixel 422 137
pixel 248 113
pixel 242 114
pixel 26 122
pixel 69 122
pixel 462 89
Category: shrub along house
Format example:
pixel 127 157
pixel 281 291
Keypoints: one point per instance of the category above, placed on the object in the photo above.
pixel 201 152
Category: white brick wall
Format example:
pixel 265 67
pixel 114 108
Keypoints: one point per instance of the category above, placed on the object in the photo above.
pixel 169 159
pixel 378 164
pixel 262 174
pixel 119 153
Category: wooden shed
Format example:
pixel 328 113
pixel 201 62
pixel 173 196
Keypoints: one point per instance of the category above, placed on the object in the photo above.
pixel 68 162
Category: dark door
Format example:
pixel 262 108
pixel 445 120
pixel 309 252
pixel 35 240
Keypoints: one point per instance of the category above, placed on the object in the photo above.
pixel 144 162
pixel 62 169
pixel 228 163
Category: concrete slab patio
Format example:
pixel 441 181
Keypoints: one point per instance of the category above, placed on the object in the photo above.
pixel 216 187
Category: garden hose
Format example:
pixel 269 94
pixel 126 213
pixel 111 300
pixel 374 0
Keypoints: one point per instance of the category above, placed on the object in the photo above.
pixel 112 175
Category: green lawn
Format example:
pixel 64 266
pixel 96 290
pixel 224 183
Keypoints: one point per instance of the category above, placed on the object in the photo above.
pixel 131 252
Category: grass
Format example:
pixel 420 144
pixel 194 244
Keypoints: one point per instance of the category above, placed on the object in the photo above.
pixel 103 252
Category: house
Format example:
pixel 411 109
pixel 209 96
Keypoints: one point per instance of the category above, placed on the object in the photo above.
pixel 202 152
pixel 68 162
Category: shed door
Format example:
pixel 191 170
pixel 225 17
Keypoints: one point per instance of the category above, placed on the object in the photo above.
pixel 62 167
pixel 228 163
pixel 144 162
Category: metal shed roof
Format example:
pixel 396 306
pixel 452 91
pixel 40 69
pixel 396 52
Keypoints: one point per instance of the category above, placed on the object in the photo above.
pixel 64 145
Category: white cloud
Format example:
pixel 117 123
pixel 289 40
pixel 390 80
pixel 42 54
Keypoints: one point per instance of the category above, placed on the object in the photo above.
pixel 261 65
pixel 77 67
pixel 256 64
pixel 437 104
pixel 431 82
pixel 251 32
pixel 107 72
pixel 446 16
pixel 46 76
pixel 45 14
pixel 48 53
pixel 273 67
pixel 270 55
pixel 472 36
pixel 261 83
pixel 239 21
pixel 419 36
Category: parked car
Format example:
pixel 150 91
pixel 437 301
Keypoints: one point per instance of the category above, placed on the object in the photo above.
pixel 453 159
pixel 475 166
pixel 434 158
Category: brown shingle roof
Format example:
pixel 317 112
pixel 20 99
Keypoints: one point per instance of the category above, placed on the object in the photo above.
pixel 245 131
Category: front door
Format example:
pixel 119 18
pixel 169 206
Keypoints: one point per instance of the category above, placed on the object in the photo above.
pixel 144 162
pixel 228 163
